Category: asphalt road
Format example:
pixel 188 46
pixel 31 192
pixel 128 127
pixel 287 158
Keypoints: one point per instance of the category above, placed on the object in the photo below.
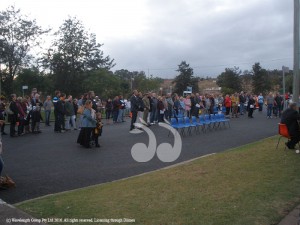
pixel 49 163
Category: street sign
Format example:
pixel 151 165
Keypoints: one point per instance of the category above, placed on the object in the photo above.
pixel 285 69
pixel 24 87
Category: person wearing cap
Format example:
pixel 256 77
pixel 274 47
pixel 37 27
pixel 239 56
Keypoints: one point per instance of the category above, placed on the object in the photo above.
pixel 290 117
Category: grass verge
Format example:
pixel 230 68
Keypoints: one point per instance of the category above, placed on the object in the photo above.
pixel 252 184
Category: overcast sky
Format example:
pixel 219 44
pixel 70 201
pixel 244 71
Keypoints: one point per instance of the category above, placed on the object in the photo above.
pixel 158 34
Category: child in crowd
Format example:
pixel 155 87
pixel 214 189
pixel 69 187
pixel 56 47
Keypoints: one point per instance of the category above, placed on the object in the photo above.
pixel 98 130
pixel 36 119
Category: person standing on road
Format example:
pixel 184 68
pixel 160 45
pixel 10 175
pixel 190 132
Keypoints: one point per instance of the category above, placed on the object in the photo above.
pixel 108 110
pixel 227 104
pixel 70 113
pixel 121 110
pixel 2 115
pixel 235 105
pixel 270 103
pixel 13 116
pixel 56 118
pixel 146 102
pixel 60 113
pixel 88 124
pixel 48 107
pixel 154 113
pixel 116 106
pixel 278 103
pixel 187 103
pixel 170 106
pixel 134 100
pixel 242 99
pixel 161 109
pixel 251 106
pixel 260 102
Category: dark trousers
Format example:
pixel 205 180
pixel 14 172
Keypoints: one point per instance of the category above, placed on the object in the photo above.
pixel 108 114
pixel 250 112
pixel 115 115
pixel 227 111
pixel 260 106
pixel 161 117
pixel 133 119
pixel 56 122
pixel 84 137
pixel 196 112
pixel 2 118
pixel 12 128
pixel 153 115
pixel 294 140
pixel 21 126
pixel 1 165
pixel 47 117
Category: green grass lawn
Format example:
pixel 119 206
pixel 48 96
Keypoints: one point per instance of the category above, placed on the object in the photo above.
pixel 253 184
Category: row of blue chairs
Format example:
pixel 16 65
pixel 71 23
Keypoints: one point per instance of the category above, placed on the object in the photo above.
pixel 186 125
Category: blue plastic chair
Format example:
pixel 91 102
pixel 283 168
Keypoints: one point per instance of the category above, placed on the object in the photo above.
pixel 189 124
pixel 215 120
pixel 216 110
pixel 204 122
pixel 224 120
pixel 212 122
pixel 182 125
pixel 194 121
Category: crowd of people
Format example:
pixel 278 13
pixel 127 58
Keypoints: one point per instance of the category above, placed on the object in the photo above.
pixel 85 113
pixel 26 113
pixel 154 109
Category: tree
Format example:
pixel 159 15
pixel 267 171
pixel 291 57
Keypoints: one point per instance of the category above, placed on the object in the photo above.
pixel 33 78
pixel 261 82
pixel 74 56
pixel 185 78
pixel 230 81
pixel 104 83
pixel 18 35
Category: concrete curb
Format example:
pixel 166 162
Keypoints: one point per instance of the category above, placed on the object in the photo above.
pixel 293 218
pixel 11 215
pixel 114 181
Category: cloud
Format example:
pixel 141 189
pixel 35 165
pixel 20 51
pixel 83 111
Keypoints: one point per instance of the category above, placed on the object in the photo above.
pixel 211 35
pixel 157 35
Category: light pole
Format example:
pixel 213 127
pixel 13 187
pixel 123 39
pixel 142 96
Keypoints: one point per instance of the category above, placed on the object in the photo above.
pixel 296 51
pixel 284 70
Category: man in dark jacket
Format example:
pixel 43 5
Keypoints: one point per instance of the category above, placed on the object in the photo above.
pixel 13 117
pixel 60 113
pixel 134 100
pixel 56 118
pixel 290 117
